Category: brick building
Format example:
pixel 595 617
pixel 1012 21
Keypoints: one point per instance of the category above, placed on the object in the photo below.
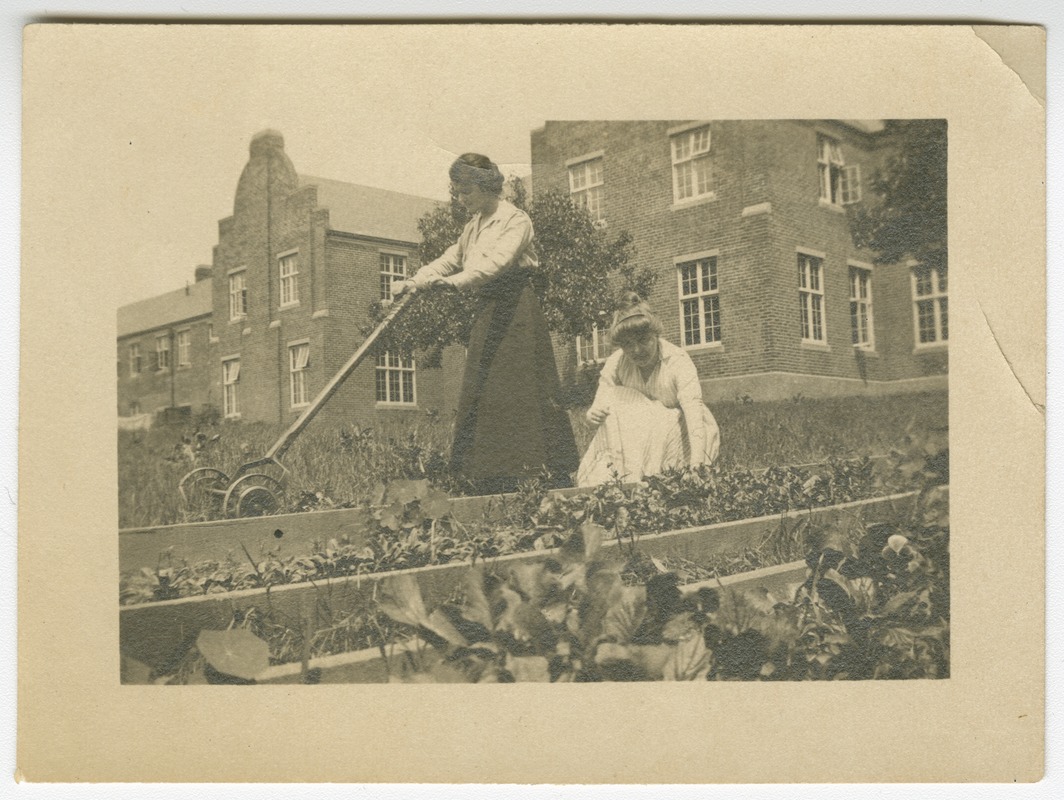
pixel 746 221
pixel 278 313
pixel 163 352
pixel 759 278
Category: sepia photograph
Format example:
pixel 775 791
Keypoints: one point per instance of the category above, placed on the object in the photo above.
pixel 670 406
pixel 383 387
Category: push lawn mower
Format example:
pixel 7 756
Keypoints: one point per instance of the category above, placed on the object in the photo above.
pixel 252 490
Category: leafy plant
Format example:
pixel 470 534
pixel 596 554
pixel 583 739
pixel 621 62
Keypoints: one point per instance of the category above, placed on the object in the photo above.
pixel 877 611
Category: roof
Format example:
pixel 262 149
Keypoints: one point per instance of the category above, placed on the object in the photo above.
pixel 367 211
pixel 166 309
pixel 864 125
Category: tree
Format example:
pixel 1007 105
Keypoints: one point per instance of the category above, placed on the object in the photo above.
pixel 582 273
pixel 908 221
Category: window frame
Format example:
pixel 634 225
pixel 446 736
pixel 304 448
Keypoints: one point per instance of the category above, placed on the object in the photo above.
pixel 816 305
pixel 600 346
pixel 231 388
pixel 830 163
pixel 406 366
pixel 860 269
pixel 236 292
pixel 297 375
pixel 939 299
pixel 136 363
pixel 581 195
pixel 162 352
pixel 183 342
pixel 693 157
pixel 709 257
pixel 850 184
pixel 288 282
pixel 388 276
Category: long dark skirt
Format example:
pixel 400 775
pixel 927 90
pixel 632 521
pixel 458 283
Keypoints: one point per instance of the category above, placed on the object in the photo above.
pixel 509 425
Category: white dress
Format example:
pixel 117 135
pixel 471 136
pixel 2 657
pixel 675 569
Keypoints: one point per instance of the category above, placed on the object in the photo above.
pixel 654 423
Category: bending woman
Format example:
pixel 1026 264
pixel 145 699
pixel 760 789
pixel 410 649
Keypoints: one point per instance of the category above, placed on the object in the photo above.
pixel 648 409
pixel 509 425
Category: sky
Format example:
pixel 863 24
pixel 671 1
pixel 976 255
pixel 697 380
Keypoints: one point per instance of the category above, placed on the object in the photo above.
pixel 160 189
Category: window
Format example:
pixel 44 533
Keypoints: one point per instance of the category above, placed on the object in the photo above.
pixel 839 184
pixel 593 348
pixel 811 298
pixel 930 305
pixel 184 348
pixel 393 268
pixel 298 361
pixel 238 295
pixel 162 352
pixel 395 379
pixel 850 185
pixel 289 266
pixel 585 187
pixel 861 307
pixel 135 363
pixel 699 301
pixel 230 386
pixel 691 168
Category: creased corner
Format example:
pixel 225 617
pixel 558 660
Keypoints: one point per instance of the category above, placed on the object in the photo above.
pixel 20 777
pixel 1039 407
pixel 1021 48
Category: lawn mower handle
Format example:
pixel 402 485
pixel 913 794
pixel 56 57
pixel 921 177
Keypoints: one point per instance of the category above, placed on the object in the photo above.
pixel 274 454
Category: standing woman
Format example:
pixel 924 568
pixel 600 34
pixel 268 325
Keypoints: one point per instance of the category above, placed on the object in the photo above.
pixel 648 408
pixel 509 425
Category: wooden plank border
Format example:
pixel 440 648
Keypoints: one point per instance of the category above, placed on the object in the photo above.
pixel 290 534
pixel 157 633
pixel 369 666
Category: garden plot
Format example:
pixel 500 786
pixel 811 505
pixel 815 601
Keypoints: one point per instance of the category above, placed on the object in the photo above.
pixel 158 633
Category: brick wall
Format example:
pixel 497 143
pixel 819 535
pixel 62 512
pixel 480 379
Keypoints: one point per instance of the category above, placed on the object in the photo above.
pixel 151 390
pixel 338 280
pixel 765 206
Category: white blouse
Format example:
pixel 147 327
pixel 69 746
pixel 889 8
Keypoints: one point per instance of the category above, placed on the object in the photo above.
pixel 673 382
pixel 487 246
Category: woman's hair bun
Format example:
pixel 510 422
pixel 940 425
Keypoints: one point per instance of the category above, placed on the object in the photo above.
pixel 479 170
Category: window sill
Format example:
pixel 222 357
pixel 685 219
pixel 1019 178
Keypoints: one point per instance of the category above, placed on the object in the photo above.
pixel 288 306
pixel 931 347
pixel 690 202
pixel 233 417
pixel 818 347
pixel 299 406
pixel 213 340
pixel 832 206
pixel 184 367
pixel 238 320
pixel 710 347
pixel 396 406
pixel 323 312
pixel 866 351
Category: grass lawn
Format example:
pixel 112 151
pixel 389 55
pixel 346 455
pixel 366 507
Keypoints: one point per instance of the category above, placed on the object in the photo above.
pixel 333 463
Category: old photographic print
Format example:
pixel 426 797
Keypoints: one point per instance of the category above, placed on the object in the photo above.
pixel 761 495
pixel 427 386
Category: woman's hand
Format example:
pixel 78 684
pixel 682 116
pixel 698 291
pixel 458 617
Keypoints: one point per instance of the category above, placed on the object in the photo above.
pixel 596 416
pixel 399 288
